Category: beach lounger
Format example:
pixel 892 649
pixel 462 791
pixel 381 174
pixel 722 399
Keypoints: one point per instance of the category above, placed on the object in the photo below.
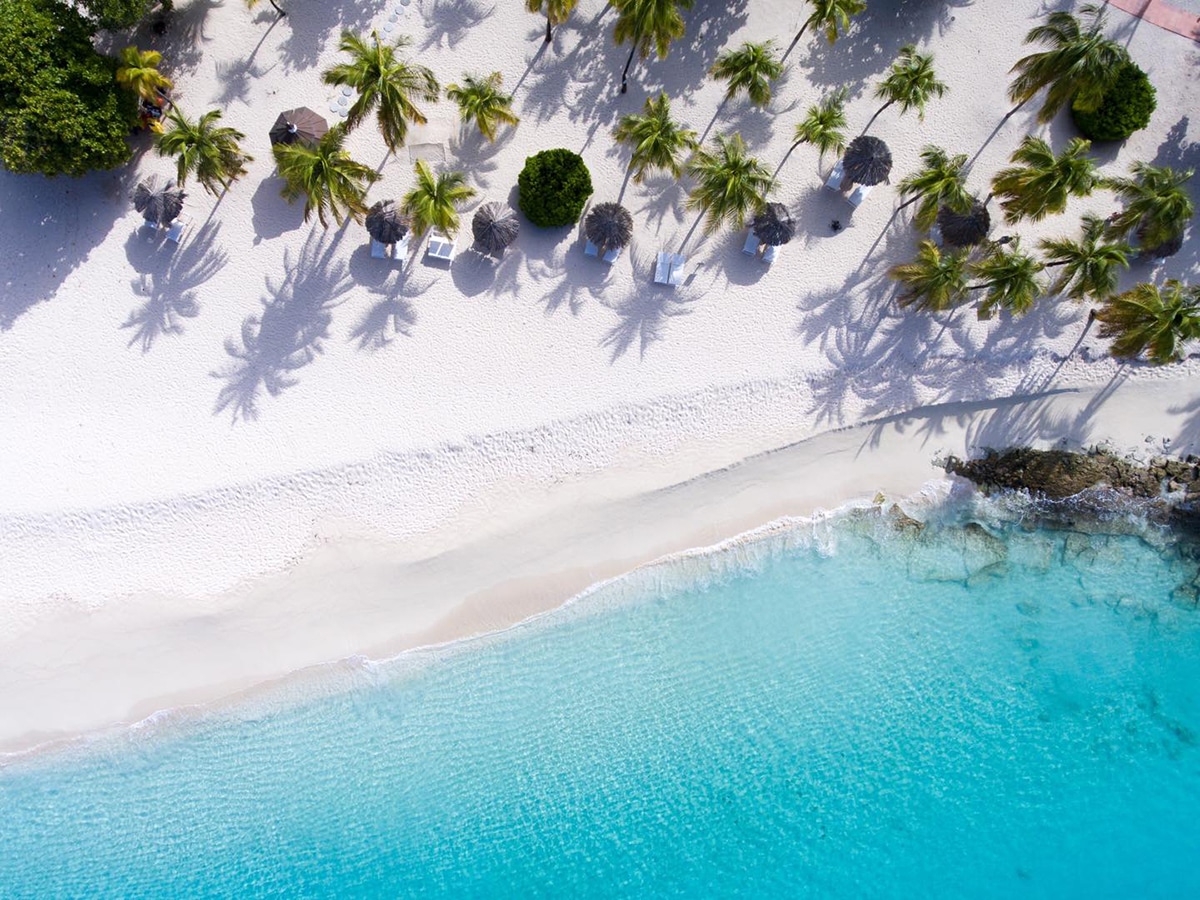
pixel 175 232
pixel 770 254
pixel 836 177
pixel 401 249
pixel 440 247
pixel 590 249
pixel 669 270
pixel 859 194
pixel 750 248
pixel 611 256
pixel 379 250
pixel 148 229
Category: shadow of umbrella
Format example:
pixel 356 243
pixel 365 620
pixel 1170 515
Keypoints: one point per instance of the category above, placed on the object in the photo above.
pixel 272 215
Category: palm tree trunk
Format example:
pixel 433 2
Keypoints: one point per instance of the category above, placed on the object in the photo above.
pixel 910 202
pixel 628 63
pixel 796 39
pixel 548 34
pixel 279 9
pixel 779 167
pixel 1012 112
pixel 692 230
pixel 871 121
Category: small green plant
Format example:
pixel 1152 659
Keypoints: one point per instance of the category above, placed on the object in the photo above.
pixel 554 185
pixel 1126 107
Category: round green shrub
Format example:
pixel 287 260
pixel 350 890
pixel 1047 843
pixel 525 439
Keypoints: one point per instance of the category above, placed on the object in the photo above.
pixel 1126 107
pixel 554 185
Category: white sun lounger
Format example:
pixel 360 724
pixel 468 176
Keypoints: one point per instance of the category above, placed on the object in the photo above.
pixel 859 194
pixel 379 250
pixel 750 248
pixel 590 249
pixel 836 177
pixel 611 256
pixel 175 232
pixel 770 254
pixel 669 270
pixel 440 247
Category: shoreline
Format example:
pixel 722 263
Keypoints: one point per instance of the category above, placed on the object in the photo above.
pixel 80 670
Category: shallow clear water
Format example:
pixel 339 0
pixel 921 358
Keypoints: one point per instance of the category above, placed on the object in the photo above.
pixel 961 715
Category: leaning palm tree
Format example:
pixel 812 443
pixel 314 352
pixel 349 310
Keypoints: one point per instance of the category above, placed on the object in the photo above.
pixel 1042 183
pixel 250 4
pixel 1090 266
pixel 138 71
pixel 480 100
pixel 935 281
pixel 657 140
pixel 1009 276
pixel 557 12
pixel 1157 205
pixel 831 16
pixel 911 82
pixel 940 182
pixel 386 84
pixel 204 149
pixel 730 185
pixel 434 201
pixel 750 68
pixel 647 24
pixel 325 176
pixel 1147 319
pixel 1079 66
pixel 823 125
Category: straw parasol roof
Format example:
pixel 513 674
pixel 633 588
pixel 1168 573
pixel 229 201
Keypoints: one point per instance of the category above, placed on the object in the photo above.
pixel 964 229
pixel 386 224
pixel 159 201
pixel 1169 247
pixel 609 226
pixel 495 226
pixel 773 225
pixel 299 124
pixel 867 161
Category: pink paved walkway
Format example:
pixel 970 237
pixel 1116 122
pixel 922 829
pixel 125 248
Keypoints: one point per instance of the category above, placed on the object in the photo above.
pixel 1156 12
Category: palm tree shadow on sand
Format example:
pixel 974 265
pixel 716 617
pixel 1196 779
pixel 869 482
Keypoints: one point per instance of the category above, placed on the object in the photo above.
pixel 644 313
pixel 290 331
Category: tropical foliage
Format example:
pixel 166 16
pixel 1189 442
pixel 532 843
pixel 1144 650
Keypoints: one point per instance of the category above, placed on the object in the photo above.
pixel 61 111
pixel 1153 321
pixel 940 182
pixel 115 13
pixel 1009 279
pixel 730 185
pixel 434 200
pixel 1079 64
pixel 824 125
pixel 911 82
pixel 204 149
pixel 481 101
pixel 1157 206
pixel 553 187
pixel 138 71
pixel 935 281
pixel 750 68
pixel 1041 183
pixel 386 84
pixel 557 12
pixel 1126 107
pixel 1090 266
pixel 324 174
pixel 830 16
pixel 656 140
pixel 646 25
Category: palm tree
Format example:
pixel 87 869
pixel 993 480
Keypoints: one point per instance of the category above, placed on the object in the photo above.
pixel 646 24
pixel 1150 320
pixel 730 185
pixel 385 83
pixel 481 100
pixel 1157 205
pixel 434 201
pixel 1090 266
pixel 1042 183
pixel 941 182
pixel 750 68
pixel 1079 67
pixel 831 16
pixel 325 176
pixel 823 125
pixel 911 82
pixel 203 148
pixel 138 71
pixel 935 281
pixel 658 141
pixel 1010 278
pixel 557 12
pixel 250 4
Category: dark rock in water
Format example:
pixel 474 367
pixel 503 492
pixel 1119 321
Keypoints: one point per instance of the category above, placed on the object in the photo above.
pixel 1058 474
pixel 903 521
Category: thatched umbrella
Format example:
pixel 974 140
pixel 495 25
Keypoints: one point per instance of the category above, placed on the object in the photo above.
pixel 964 229
pixel 867 161
pixel 299 124
pixel 495 226
pixel 159 201
pixel 386 224
pixel 773 226
pixel 1169 247
pixel 609 226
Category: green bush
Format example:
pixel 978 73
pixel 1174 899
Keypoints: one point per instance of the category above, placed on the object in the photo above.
pixel 554 185
pixel 1126 107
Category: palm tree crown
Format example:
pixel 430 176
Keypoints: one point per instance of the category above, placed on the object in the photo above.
pixel 557 12
pixel 658 141
pixel 434 200
pixel 1157 204
pixel 325 176
pixel 823 125
pixel 138 71
pixel 1042 183
pixel 203 148
pixel 1010 278
pixel 385 83
pixel 750 68
pixel 1079 67
pixel 648 24
pixel 935 281
pixel 730 185
pixel 1150 320
pixel 831 16
pixel 911 82
pixel 940 182
pixel 481 100
pixel 1090 266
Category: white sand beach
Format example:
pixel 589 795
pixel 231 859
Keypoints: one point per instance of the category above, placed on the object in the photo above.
pixel 393 454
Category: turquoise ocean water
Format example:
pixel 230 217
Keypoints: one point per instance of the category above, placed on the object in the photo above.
pixel 843 713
